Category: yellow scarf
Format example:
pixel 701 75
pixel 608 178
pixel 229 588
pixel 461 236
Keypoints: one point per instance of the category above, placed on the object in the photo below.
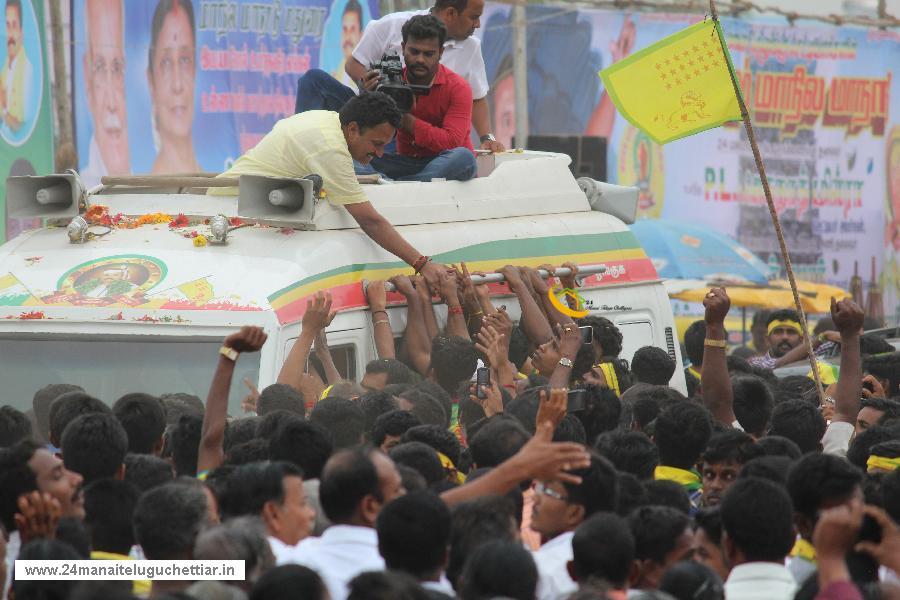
pixel 609 373
pixel 139 587
pixel 690 480
pixel 883 463
pixel 451 468
pixel 803 549
pixel 694 372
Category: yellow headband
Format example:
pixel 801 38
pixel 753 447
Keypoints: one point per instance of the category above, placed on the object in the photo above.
pixel 451 468
pixel 883 463
pixel 786 324
pixel 609 372
pixel 325 392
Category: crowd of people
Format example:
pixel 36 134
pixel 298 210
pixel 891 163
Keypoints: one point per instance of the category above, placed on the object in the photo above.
pixel 567 473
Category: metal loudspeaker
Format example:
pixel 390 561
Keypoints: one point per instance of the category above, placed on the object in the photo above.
pixel 277 200
pixel 617 200
pixel 50 196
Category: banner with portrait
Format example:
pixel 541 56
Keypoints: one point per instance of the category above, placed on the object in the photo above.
pixel 26 122
pixel 825 104
pixel 187 86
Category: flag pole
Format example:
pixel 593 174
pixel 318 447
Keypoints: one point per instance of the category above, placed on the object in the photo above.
pixel 760 167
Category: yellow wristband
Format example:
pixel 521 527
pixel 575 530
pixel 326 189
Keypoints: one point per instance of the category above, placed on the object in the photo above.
pixel 382 321
pixel 715 343
pixel 229 353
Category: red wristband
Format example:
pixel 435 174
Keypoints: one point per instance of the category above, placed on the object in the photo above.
pixel 420 262
pixel 509 386
pixel 454 310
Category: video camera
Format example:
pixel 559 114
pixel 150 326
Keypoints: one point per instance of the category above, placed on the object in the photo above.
pixel 391 82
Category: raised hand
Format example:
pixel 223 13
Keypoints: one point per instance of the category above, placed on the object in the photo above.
pixel 541 458
pixel 717 304
pixel 553 406
pixel 847 316
pixel 318 313
pixel 492 403
pixel 248 339
pixel 404 285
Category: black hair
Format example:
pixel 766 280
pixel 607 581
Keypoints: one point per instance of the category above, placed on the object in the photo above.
pixel 185 443
pixel 72 531
pixel 251 486
pixel 499 569
pixel 424 27
pixel 605 333
pixel 178 404
pixel 885 366
pixel 862 444
pixel 371 109
pixel 631 494
pixel 108 511
pixel 524 407
pixel 454 360
pixel 439 438
pixel 302 443
pixel 280 396
pixel 872 343
pixel 518 347
pixel 682 432
pixel 888 449
pixel 890 495
pixel 799 421
pixel 412 480
pixel 784 314
pixel 693 343
pixel 796 387
pixel 289 582
pixel 819 478
pixel 254 450
pixel 652 365
pixel 643 403
pixel 459 5
pixel 444 397
pixel 752 403
pixel 163 8
pixel 663 492
pixel 413 533
pixel 570 429
pixel 94 445
pixel 585 359
pixel 14 426
pixel 385 585
pixel 16 478
pixel 144 420
pixel 167 520
pixel 374 404
pixel 240 430
pixel 427 408
pixel 43 399
pixel 603 550
pixel 738 364
pixel 778 445
pixel 599 487
pixel 772 467
pixel 656 530
pixel 499 439
pixel 353 6
pixel 757 515
pixel 67 407
pixel 348 477
pixel 146 471
pixel 421 457
pixel 395 422
pixel 731 445
pixel 602 411
pixel 710 521
pixel 824 324
pixel 343 418
pixel 270 424
pixel 690 580
pixel 890 407
pixel 34 589
pixel 474 523
pixel 397 372
pixel 629 451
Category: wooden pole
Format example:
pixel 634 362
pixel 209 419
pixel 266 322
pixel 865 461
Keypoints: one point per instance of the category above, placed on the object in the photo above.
pixel 760 167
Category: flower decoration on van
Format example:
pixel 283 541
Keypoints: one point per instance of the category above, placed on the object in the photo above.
pixel 200 240
pixel 98 214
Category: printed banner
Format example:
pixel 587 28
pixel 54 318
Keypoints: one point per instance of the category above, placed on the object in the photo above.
pixel 186 86
pixel 826 109
pixel 26 123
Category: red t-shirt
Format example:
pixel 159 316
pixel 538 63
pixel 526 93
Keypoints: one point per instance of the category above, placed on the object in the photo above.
pixel 443 118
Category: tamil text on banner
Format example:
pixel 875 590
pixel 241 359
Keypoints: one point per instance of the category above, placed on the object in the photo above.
pixel 26 124
pixel 189 86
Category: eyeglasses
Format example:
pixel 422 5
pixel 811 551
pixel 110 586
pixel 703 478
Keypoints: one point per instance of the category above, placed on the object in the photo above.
pixel 543 489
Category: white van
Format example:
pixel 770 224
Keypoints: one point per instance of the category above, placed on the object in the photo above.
pixel 142 305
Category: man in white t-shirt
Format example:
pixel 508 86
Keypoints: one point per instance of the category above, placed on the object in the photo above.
pixel 462 55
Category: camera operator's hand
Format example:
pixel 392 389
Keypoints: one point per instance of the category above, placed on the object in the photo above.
pixel 370 81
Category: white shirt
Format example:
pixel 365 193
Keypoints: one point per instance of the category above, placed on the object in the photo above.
pixel 837 438
pixel 462 57
pixel 342 553
pixel 12 553
pixel 554 582
pixel 282 552
pixel 760 581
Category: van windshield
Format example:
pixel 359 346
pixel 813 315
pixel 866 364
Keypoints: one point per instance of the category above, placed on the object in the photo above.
pixel 109 367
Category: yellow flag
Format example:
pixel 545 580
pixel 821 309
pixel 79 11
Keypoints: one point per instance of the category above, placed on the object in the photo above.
pixel 677 87
pixel 198 291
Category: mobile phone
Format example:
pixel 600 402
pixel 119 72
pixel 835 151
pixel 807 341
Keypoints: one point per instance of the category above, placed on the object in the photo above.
pixel 482 378
pixel 587 334
pixel 576 400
